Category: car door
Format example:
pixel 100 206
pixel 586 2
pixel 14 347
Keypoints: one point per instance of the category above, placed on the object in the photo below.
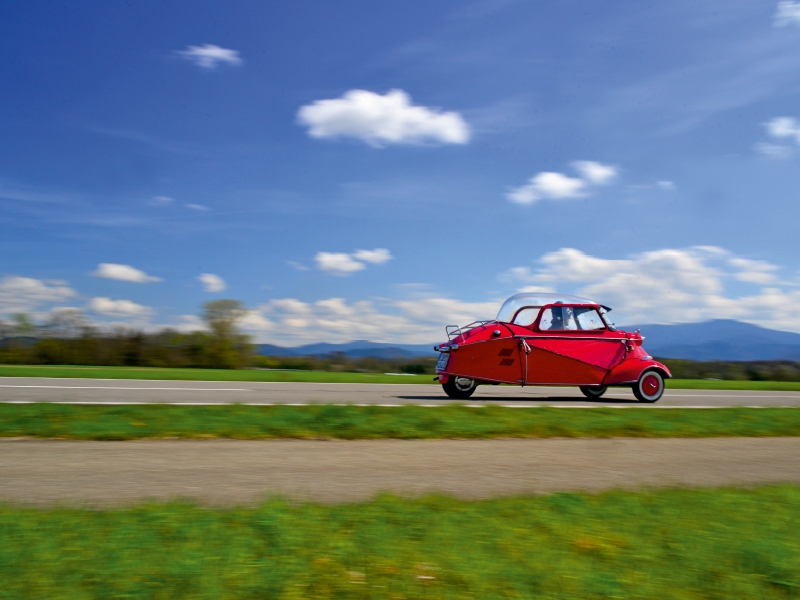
pixel 572 345
pixel 496 359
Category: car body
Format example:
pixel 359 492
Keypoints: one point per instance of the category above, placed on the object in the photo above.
pixel 548 339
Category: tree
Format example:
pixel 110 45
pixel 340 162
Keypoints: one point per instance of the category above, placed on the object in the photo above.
pixel 23 325
pixel 229 348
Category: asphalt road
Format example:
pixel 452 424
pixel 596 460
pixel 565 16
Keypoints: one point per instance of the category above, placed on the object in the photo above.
pixel 230 472
pixel 119 391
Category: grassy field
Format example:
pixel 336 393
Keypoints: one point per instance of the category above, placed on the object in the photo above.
pixel 87 422
pixel 205 374
pixel 681 544
pixel 320 377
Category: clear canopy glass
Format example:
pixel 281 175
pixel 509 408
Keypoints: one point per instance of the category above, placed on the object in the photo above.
pixel 535 300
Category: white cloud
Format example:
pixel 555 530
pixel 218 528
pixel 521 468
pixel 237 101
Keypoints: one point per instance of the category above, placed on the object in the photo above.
pixel 787 13
pixel 25 294
pixel 119 308
pixel 163 200
pixel 379 120
pixel 550 185
pixel 341 263
pixel 784 127
pixel 213 283
pixel 338 263
pixel 376 257
pixel 754 271
pixel 254 321
pixel 670 285
pixel 196 207
pixel 595 172
pixel 777 151
pixel 666 185
pixel 123 273
pixel 417 321
pixel 297 266
pixel 209 56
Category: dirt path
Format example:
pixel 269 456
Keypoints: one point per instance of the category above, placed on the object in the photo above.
pixel 234 472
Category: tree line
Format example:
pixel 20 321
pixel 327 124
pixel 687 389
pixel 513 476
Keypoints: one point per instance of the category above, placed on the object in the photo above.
pixel 68 338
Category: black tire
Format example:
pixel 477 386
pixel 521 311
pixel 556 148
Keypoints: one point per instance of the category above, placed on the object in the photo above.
pixel 458 388
pixel 593 391
pixel 650 387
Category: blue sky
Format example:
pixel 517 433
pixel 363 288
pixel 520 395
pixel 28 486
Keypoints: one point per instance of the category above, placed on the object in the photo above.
pixel 358 170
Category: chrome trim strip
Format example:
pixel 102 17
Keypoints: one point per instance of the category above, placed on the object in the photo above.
pixel 569 337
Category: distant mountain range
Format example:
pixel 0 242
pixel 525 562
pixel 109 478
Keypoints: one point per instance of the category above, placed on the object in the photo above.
pixel 719 340
pixel 712 340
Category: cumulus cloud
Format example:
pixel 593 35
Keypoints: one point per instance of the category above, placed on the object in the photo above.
pixel 119 308
pixel 338 263
pixel 754 271
pixel 787 13
pixel 784 127
pixel 123 273
pixel 341 263
pixel 595 172
pixel 213 283
pixel 376 257
pixel 25 294
pixel 551 185
pixel 416 321
pixel 670 285
pixel 210 56
pixel 380 120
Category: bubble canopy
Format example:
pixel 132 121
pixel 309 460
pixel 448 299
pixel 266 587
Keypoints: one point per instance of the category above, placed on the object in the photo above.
pixel 535 300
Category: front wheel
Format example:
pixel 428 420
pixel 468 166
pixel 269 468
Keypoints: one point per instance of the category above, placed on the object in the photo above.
pixel 459 388
pixel 593 391
pixel 650 387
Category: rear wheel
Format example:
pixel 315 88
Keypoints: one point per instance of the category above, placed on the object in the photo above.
pixel 650 387
pixel 459 388
pixel 593 391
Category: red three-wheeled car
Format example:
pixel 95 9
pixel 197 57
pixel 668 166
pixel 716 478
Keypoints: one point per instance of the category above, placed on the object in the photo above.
pixel 548 339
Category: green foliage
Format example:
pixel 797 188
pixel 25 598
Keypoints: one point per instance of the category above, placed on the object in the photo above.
pixel 699 544
pixel 129 348
pixel 205 374
pixel 98 422
pixel 228 347
pixel 774 370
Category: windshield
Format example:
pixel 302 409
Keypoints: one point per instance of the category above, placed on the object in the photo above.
pixel 534 301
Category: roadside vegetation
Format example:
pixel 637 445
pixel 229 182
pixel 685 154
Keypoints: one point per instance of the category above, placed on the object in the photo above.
pixel 167 374
pixel 678 544
pixel 130 422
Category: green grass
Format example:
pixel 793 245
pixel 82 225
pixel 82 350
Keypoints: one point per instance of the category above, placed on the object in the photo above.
pixel 718 384
pixel 93 422
pixel 205 374
pixel 690 544
pixel 320 377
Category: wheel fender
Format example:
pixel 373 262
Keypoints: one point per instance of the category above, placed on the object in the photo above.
pixel 630 370
pixel 444 378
